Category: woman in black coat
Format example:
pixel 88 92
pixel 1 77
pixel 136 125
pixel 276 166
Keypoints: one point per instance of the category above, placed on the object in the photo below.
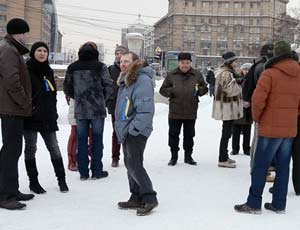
pixel 43 119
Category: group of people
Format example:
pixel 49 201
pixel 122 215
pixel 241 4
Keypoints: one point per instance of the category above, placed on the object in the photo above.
pixel 267 92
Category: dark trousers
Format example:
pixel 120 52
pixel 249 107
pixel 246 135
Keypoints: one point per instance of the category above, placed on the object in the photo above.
pixel 188 134
pixel 226 134
pixel 50 140
pixel 12 132
pixel 266 150
pixel 237 130
pixel 115 144
pixel 296 164
pixel 139 182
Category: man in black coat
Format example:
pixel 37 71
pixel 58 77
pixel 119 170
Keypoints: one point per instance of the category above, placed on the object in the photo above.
pixel 115 71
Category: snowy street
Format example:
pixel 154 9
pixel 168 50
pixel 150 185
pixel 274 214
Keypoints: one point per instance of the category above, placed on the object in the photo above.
pixel 190 197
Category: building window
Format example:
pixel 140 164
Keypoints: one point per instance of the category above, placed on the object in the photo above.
pixel 210 21
pixel 220 4
pixel 236 5
pixel 226 5
pixel 204 4
pixel 3 7
pixel 2 17
pixel 2 29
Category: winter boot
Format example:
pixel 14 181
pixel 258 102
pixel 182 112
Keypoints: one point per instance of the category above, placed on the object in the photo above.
pixel 146 209
pixel 12 204
pixel 174 158
pixel 270 207
pixel 188 158
pixel 134 202
pixel 32 173
pixel 24 197
pixel 58 166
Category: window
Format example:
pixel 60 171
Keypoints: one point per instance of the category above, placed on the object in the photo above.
pixel 210 21
pixel 2 17
pixel 2 29
pixel 3 7
pixel 220 4
pixel 226 5
pixel 236 5
pixel 203 4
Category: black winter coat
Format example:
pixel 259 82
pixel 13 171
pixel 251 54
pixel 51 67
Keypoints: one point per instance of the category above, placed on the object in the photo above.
pixel 88 82
pixel 114 71
pixel 183 90
pixel 44 112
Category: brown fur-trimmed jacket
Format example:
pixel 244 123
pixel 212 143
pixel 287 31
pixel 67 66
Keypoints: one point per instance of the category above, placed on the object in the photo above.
pixel 228 103
pixel 135 102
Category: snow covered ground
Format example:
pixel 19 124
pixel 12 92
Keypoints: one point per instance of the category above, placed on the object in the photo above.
pixel 191 197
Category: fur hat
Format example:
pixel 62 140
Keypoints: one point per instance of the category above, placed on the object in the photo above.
pixel 17 26
pixel 267 50
pixel 282 48
pixel 184 56
pixel 37 45
pixel 229 57
pixel 121 49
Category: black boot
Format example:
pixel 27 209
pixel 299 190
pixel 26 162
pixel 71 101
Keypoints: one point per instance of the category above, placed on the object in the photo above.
pixel 32 173
pixel 188 159
pixel 174 158
pixel 59 169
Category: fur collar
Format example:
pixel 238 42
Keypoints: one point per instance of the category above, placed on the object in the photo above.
pixel 132 73
pixel 277 59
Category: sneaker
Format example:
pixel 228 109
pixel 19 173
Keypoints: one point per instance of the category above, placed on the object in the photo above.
pixel 129 205
pixel 146 209
pixel 115 163
pixel 226 164
pixel 270 207
pixel 244 208
pixel 231 161
pixel 100 175
pixel 24 197
pixel 172 162
pixel 12 204
pixel 190 161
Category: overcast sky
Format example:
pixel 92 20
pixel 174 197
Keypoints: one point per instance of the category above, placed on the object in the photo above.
pixel 101 20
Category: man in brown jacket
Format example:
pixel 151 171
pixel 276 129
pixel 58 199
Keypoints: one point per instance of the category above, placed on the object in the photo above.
pixel 183 86
pixel 15 104
pixel 275 106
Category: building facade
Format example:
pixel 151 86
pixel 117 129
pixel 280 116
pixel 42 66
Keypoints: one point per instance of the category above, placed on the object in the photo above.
pixel 35 12
pixel 211 27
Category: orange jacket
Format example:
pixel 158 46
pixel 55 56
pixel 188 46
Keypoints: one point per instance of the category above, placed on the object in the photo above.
pixel 276 99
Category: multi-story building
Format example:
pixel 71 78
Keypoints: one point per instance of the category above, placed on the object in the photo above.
pixel 35 12
pixel 149 43
pixel 210 27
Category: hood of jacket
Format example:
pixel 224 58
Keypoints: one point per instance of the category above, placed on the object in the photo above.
pixel 285 63
pixel 137 67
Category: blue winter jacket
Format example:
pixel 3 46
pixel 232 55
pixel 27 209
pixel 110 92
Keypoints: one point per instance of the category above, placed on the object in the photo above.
pixel 135 103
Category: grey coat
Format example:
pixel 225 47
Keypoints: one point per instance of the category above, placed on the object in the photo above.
pixel 135 103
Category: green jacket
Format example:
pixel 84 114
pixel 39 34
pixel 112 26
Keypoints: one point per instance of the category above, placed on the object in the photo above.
pixel 183 91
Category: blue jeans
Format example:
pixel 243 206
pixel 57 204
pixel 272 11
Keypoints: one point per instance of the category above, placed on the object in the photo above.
pixel 266 150
pixel 83 126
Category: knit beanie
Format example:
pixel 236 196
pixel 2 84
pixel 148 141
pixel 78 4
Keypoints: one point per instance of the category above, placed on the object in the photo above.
pixel 37 45
pixel 282 48
pixel 184 56
pixel 229 57
pixel 121 49
pixel 267 50
pixel 17 26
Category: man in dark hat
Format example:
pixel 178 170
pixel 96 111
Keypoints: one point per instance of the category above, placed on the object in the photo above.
pixel 252 77
pixel 115 71
pixel 183 86
pixel 15 104
pixel 227 105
